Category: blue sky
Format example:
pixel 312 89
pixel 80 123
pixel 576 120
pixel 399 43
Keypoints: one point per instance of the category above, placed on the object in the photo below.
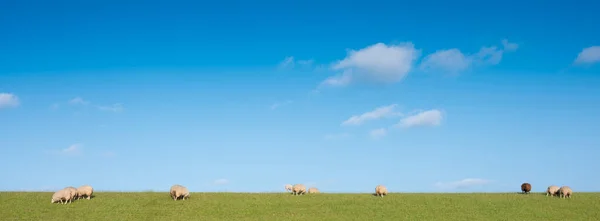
pixel 238 96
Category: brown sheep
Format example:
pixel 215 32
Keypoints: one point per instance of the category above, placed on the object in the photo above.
pixel 526 188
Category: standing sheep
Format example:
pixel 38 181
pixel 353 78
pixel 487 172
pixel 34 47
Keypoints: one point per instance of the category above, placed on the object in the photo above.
pixel 72 191
pixel 299 189
pixel 526 188
pixel 61 195
pixel 565 191
pixel 380 190
pixel 179 191
pixel 85 190
pixel 313 190
pixel 552 190
pixel 288 187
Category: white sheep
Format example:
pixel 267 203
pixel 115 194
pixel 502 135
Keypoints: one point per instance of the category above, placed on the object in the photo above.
pixel 179 191
pixel 299 189
pixel 313 190
pixel 565 192
pixel 72 192
pixel 85 190
pixel 552 190
pixel 61 195
pixel 380 190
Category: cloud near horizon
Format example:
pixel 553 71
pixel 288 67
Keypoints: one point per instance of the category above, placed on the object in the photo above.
pixel 462 184
pixel 220 182
pixel 9 100
pixel 588 55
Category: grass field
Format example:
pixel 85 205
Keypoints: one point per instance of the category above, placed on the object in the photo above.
pixel 282 206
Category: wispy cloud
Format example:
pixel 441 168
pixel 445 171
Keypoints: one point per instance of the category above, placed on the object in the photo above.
pixel 380 112
pixel 290 62
pixel 377 63
pixel 378 133
pixel 9 100
pixel 277 105
pixel 112 108
pixel 465 183
pixel 425 118
pixel 588 55
pixel 454 61
pixel 220 182
pixel 78 101
pixel 74 149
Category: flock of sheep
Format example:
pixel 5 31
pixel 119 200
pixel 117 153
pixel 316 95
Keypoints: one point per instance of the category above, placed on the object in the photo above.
pixel 67 194
pixel 563 192
pixel 300 189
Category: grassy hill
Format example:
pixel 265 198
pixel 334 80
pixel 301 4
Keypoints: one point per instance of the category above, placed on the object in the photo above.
pixel 281 206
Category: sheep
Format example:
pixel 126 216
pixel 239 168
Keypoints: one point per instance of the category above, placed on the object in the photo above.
pixel 61 195
pixel 552 190
pixel 72 191
pixel 525 188
pixel 299 189
pixel 288 187
pixel 380 190
pixel 179 191
pixel 85 190
pixel 565 192
pixel 313 190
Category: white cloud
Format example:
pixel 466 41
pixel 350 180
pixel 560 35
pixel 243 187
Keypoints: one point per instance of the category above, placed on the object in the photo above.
pixel 290 62
pixel 78 101
pixel 221 182
pixel 378 63
pixel 454 61
pixel 109 154
pixel 588 55
pixel 425 118
pixel 73 149
pixel 451 60
pixel 8 100
pixel 465 183
pixel 113 108
pixel 378 133
pixel 380 112
pixel 277 105
pixel 336 136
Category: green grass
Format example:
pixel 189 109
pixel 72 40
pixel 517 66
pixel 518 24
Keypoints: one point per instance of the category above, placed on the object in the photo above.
pixel 282 206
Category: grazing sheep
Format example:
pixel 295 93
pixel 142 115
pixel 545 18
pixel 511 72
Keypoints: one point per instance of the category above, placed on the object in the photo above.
pixel 565 192
pixel 380 190
pixel 179 191
pixel 288 187
pixel 526 188
pixel 61 195
pixel 552 190
pixel 85 190
pixel 313 190
pixel 72 191
pixel 299 189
